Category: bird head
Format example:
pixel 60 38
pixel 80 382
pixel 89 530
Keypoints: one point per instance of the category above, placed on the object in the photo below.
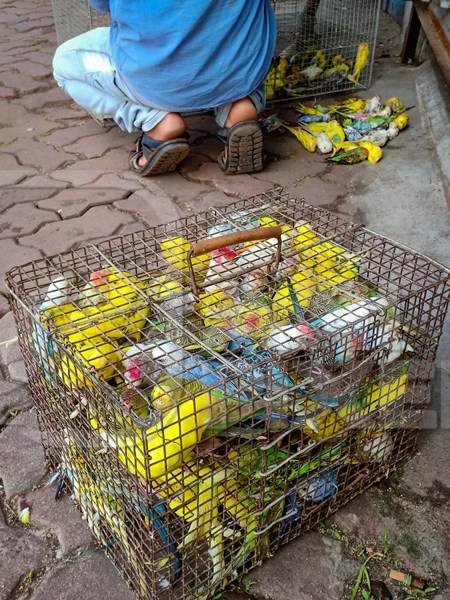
pixel 306 329
pixel 99 277
pixel 223 255
pixel 134 372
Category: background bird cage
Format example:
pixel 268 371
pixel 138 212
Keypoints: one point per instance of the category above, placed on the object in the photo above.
pixel 336 28
pixel 204 409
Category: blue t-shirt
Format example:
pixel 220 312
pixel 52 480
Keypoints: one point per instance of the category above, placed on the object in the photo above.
pixel 191 54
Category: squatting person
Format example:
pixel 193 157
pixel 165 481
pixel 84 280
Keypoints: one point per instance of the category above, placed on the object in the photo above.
pixel 161 60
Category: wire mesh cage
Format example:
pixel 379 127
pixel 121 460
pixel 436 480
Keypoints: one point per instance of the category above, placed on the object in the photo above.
pixel 210 388
pixel 323 46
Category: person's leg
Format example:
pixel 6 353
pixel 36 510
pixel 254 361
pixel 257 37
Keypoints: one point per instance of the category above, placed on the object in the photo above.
pixel 242 110
pixel 242 135
pixel 83 68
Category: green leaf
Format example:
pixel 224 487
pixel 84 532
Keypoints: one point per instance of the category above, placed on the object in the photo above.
pixel 357 584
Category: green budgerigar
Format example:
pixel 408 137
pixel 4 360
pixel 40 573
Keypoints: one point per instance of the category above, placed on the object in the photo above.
pixel 349 157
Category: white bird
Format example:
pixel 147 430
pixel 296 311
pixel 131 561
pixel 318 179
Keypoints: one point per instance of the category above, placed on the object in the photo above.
pixel 324 143
pixel 365 326
pixel 392 131
pixel 179 306
pixel 379 137
pixel 57 293
pixel 361 314
pixel 253 283
pixel 288 338
pixel 373 105
pixel 379 448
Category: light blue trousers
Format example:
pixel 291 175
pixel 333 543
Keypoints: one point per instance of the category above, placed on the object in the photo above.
pixel 83 68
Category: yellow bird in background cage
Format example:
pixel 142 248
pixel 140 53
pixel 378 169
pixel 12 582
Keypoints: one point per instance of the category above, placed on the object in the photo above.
pixel 361 60
pixel 270 83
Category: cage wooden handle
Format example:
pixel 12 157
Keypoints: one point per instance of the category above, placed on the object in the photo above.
pixel 229 239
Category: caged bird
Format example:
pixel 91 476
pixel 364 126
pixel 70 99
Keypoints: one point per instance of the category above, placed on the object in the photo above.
pixel 104 320
pixel 56 295
pixel 361 60
pixel 172 297
pixel 289 338
pixel 252 284
pixel 175 250
pixel 294 296
pixel 253 318
pixel 362 326
pixel 222 262
pixel 98 356
pixel 161 447
pixel 111 286
pixel 216 309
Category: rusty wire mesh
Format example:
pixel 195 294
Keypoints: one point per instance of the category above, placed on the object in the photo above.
pixel 318 38
pixel 199 427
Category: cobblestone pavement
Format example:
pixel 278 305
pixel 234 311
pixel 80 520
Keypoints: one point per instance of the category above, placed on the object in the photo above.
pixel 64 182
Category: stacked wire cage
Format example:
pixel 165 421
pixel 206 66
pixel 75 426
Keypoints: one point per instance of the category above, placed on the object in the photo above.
pixel 319 43
pixel 210 388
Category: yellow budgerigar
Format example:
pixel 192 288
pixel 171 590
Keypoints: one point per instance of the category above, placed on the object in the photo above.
pixel 401 120
pixel 331 263
pixel 375 152
pixel 332 129
pixel 293 296
pixel 73 325
pixel 306 139
pixel 361 60
pixel 111 286
pixel 175 251
pixel 100 505
pixel 99 357
pixel 215 308
pixel 304 236
pixel 168 441
pixel 376 397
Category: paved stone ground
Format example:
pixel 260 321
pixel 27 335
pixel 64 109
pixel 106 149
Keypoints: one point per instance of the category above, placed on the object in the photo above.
pixel 65 182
